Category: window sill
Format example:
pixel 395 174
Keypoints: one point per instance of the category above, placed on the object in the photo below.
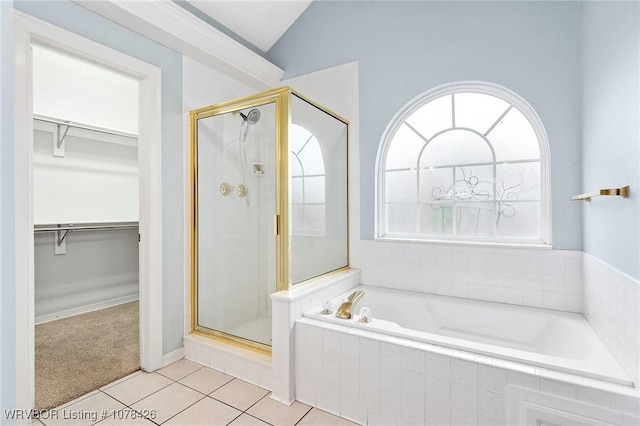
pixel 494 244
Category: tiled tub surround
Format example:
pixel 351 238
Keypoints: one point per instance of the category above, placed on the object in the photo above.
pixel 537 277
pixel 612 306
pixel 562 341
pixel 380 380
pixel 276 373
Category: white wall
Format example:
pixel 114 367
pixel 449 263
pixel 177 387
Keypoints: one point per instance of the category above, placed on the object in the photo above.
pixel 64 86
pixel 96 180
pixel 611 155
pixel 611 131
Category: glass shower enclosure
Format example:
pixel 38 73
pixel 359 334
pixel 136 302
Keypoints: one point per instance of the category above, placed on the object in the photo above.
pixel 269 208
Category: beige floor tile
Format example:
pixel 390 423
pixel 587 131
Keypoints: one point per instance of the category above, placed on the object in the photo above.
pixel 317 417
pixel 124 379
pixel 168 401
pixel 205 412
pixel 84 412
pixel 179 369
pixel 239 394
pixel 138 387
pixel 247 420
pixel 206 380
pixel 129 421
pixel 278 414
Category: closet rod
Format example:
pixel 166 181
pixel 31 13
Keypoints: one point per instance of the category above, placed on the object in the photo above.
pixel 84 126
pixel 71 227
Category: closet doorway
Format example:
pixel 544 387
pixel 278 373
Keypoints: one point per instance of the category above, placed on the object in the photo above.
pixel 88 249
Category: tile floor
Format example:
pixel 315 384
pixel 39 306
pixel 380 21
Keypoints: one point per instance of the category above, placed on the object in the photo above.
pixel 184 394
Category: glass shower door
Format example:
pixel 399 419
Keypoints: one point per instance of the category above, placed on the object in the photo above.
pixel 234 211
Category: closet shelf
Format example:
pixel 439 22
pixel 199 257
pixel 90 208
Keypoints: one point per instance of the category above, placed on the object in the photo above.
pixel 63 230
pixel 72 124
pixel 620 192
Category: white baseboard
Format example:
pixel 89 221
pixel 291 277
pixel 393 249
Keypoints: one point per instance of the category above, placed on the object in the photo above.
pixel 84 309
pixel 172 357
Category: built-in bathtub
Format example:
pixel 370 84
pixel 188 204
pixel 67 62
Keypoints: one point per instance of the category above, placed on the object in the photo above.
pixel 555 340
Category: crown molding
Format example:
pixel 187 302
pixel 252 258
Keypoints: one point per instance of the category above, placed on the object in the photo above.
pixel 170 25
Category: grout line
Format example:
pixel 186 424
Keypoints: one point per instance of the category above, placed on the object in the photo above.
pixel 184 409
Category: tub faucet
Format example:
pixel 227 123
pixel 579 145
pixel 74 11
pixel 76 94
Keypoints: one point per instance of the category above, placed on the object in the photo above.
pixel 344 311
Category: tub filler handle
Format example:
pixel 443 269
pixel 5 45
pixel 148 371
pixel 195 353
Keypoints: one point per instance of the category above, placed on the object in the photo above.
pixel 344 311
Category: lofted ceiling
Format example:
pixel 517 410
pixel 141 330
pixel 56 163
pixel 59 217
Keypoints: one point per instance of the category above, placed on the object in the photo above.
pixel 260 22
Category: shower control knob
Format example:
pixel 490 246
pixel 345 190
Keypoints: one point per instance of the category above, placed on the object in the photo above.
pixel 242 190
pixel 226 188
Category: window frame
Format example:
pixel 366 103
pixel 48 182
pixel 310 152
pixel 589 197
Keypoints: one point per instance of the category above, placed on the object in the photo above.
pixel 467 87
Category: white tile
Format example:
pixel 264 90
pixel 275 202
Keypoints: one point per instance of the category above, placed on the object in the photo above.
pixel 463 418
pixel 412 382
pixel 331 360
pixel 464 397
pixel 350 364
pixel 437 389
pixel 628 404
pixel 369 348
pixel 464 372
pixel 390 376
pixel 485 421
pixel 437 365
pixel 352 411
pixel 369 394
pixel 348 386
pixel 349 343
pixel 331 339
pixel 436 413
pixel 375 418
pixel 492 379
pixel 558 388
pixel 306 393
pixel 390 401
pixel 314 336
pixel 596 397
pixel 523 380
pixel 412 406
pixel 413 359
pixel 390 354
pixel 328 403
pixel 247 420
pixel 553 300
pixel 91 407
pixel 491 405
pixel 179 369
pixel 370 370
pixel 330 382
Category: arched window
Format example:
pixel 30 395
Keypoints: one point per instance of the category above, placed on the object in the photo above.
pixel 465 162
pixel 308 201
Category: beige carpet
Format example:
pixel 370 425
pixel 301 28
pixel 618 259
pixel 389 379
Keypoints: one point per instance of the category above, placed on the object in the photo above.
pixel 79 354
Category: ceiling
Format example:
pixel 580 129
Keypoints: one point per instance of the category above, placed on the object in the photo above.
pixel 260 22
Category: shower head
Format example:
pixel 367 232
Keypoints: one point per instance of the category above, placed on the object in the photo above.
pixel 252 117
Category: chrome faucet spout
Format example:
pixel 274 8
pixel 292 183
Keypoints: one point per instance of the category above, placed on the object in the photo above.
pixel 345 310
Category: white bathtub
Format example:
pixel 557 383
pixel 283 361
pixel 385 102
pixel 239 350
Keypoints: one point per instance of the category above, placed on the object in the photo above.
pixel 555 340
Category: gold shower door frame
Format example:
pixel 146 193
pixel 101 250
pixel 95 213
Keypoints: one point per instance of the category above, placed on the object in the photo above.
pixel 281 98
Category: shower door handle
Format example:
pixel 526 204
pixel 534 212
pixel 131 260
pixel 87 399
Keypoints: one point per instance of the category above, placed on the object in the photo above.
pixel 276 224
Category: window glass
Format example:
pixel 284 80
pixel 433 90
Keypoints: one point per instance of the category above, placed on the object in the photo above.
pixel 463 165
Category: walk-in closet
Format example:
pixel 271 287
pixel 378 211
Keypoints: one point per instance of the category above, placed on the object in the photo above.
pixel 85 215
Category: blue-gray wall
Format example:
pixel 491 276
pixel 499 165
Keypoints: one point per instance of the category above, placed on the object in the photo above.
pixel 7 251
pixel 406 48
pixel 85 23
pixel 611 131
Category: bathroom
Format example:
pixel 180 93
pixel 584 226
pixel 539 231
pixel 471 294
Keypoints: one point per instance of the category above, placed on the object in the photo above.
pixel 574 63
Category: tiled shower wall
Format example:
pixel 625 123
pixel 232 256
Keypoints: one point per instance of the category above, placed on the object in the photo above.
pixel 522 276
pixel 611 305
